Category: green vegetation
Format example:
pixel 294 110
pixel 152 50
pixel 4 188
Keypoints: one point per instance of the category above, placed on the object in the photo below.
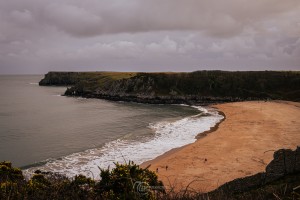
pixel 126 181
pixel 194 87
pixel 119 183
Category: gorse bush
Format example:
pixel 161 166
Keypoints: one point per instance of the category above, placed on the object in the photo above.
pixel 125 182
pixel 122 182
pixel 12 183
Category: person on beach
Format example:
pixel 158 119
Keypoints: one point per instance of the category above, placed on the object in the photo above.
pixel 156 170
pixel 166 167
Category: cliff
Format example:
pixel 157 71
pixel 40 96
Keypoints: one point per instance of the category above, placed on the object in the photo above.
pixel 60 79
pixel 190 88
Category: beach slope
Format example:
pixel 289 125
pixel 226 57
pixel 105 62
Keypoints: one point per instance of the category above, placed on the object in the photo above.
pixel 242 145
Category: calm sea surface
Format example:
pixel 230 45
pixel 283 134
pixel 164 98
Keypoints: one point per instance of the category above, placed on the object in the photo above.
pixel 39 128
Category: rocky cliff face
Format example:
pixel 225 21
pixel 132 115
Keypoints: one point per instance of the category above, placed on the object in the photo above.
pixel 202 87
pixel 141 89
pixel 138 85
pixel 286 162
pixel 60 79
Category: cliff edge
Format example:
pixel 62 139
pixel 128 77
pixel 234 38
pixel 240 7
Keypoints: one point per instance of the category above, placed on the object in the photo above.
pixel 199 87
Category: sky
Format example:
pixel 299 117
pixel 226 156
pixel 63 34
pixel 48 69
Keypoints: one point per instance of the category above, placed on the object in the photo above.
pixel 37 36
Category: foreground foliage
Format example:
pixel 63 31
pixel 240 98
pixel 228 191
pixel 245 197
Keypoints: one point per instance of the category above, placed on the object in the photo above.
pixel 119 183
pixel 125 181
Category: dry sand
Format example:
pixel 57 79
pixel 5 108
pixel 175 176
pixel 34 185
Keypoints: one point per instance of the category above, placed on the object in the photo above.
pixel 242 145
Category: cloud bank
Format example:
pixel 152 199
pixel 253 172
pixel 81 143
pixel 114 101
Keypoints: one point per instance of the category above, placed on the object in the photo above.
pixel 149 35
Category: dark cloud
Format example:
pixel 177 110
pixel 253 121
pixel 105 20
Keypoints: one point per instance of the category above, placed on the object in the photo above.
pixel 40 35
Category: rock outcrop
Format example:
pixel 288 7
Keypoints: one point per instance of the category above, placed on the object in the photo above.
pixel 286 162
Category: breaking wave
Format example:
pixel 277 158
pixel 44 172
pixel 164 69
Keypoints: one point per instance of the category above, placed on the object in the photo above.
pixel 166 136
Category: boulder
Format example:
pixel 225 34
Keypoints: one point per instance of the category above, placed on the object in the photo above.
pixel 276 168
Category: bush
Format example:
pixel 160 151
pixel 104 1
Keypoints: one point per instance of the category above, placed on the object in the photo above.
pixel 128 181
pixel 122 182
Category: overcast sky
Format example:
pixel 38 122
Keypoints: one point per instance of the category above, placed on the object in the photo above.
pixel 37 36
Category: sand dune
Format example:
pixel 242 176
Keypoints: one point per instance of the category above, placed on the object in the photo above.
pixel 242 145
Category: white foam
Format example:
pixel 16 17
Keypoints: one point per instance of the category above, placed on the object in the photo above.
pixel 168 135
pixel 33 83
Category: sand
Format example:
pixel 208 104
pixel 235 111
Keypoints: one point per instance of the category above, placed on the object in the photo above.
pixel 242 145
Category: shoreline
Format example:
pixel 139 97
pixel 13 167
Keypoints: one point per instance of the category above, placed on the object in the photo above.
pixel 197 137
pixel 214 128
pixel 146 150
pixel 239 147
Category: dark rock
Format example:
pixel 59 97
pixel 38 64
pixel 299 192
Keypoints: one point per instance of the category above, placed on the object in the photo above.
pixel 289 161
pixel 286 162
pixel 243 184
pixel 297 159
pixel 276 168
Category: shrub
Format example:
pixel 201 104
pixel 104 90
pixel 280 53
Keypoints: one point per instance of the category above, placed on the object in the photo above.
pixel 118 183
pixel 128 181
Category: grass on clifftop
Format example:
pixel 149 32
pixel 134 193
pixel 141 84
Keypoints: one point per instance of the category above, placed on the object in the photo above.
pixel 105 77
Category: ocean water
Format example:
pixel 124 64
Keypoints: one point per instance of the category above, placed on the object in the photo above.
pixel 41 129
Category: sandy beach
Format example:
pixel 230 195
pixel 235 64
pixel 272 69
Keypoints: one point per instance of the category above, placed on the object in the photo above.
pixel 242 145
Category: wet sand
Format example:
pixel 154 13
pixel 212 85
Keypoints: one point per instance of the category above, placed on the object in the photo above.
pixel 242 145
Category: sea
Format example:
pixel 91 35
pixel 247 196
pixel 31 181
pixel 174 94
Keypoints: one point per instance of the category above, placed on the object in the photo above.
pixel 42 129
